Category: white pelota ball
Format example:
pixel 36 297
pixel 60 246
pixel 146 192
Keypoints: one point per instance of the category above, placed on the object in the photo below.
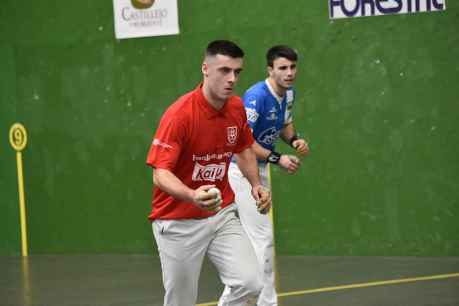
pixel 214 190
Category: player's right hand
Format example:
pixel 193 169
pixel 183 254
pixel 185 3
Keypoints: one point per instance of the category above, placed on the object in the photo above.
pixel 291 163
pixel 205 200
pixel 301 147
pixel 263 198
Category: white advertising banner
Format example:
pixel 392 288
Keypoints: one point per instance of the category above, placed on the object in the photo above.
pixel 361 8
pixel 142 18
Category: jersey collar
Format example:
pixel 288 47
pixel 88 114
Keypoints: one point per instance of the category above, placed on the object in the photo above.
pixel 271 90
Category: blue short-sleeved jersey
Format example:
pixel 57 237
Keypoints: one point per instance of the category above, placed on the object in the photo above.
pixel 267 113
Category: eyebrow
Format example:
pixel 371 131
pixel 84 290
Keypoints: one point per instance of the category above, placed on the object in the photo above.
pixel 285 66
pixel 229 68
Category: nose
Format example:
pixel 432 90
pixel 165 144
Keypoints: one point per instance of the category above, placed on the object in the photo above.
pixel 232 77
pixel 291 72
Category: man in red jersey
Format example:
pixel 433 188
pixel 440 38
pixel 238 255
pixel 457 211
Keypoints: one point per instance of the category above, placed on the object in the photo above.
pixel 190 153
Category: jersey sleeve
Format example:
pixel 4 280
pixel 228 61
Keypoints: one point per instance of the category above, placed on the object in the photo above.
pixel 167 144
pixel 253 103
pixel 245 138
pixel 290 100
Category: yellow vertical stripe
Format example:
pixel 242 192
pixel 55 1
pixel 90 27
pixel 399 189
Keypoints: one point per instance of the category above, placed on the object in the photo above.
pixel 22 207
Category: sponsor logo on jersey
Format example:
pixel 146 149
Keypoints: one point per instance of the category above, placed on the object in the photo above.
pixel 209 157
pixel 159 143
pixel 232 134
pixel 210 172
pixel 253 102
pixel 252 115
pixel 268 136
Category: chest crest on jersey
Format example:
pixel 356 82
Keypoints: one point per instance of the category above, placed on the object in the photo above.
pixel 272 114
pixel 231 132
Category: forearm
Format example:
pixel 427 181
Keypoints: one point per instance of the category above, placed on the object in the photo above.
pixel 169 183
pixel 260 152
pixel 247 163
pixel 287 133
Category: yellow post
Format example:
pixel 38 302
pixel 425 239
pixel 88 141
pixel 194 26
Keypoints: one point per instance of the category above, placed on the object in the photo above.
pixel 18 140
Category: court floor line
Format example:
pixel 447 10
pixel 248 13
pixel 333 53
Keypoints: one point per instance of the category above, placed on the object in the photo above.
pixel 360 285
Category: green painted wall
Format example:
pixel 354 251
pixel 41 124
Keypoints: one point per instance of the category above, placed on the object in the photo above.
pixel 9 212
pixel 377 97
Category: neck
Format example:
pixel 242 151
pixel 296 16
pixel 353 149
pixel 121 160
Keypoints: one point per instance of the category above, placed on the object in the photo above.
pixel 280 91
pixel 211 98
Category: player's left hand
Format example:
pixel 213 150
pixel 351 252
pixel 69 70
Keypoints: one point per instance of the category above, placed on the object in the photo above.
pixel 262 196
pixel 301 147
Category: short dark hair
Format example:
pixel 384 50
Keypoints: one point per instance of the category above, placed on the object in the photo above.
pixel 280 51
pixel 224 47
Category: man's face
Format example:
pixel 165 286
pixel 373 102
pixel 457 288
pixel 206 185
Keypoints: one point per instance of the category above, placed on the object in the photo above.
pixel 221 74
pixel 283 72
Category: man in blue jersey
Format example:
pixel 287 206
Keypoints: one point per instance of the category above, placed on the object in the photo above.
pixel 268 105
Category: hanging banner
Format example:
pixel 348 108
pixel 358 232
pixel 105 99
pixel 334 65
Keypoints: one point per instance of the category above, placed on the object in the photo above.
pixel 143 18
pixel 361 8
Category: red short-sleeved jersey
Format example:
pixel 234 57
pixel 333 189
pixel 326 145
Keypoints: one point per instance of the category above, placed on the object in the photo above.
pixel 196 142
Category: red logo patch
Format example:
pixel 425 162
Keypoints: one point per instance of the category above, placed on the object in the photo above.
pixel 232 134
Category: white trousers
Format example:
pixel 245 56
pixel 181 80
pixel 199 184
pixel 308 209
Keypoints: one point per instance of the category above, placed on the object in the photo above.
pixel 259 229
pixel 182 245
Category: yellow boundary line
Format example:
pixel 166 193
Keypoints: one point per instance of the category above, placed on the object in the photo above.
pixel 371 284
pixel 360 285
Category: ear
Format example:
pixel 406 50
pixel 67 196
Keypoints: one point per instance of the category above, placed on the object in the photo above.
pixel 270 70
pixel 205 69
